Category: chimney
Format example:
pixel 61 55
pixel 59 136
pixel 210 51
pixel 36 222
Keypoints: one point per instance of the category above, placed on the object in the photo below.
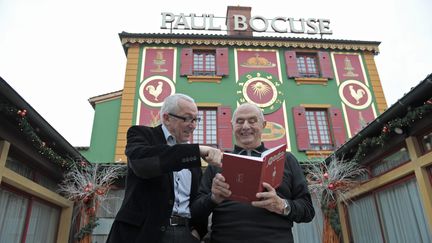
pixel 238 10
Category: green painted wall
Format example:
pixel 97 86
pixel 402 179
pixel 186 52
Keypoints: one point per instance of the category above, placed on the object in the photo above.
pixel 225 93
pixel 104 132
pixel 105 125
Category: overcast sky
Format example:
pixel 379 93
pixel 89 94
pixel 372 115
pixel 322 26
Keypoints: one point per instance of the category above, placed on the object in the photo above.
pixel 57 54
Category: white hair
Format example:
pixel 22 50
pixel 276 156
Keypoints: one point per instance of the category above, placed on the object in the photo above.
pixel 260 112
pixel 170 104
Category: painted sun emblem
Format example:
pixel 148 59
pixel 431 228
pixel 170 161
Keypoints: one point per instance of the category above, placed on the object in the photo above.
pixel 261 89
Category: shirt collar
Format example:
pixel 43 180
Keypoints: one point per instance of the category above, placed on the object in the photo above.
pixel 167 134
pixel 254 152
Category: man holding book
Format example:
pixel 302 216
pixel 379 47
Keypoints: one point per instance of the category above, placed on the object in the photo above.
pixel 270 217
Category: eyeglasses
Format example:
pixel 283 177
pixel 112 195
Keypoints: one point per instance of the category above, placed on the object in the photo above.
pixel 186 119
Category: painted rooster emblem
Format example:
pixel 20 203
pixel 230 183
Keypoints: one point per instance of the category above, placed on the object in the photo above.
pixel 155 91
pixel 357 94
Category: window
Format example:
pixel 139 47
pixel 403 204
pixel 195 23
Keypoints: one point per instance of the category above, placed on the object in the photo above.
pixel 319 132
pixel 215 128
pixel 430 173
pixel 206 129
pixel 24 218
pixel 307 65
pixel 106 214
pixel 426 142
pixel 17 165
pixel 392 214
pixel 204 63
pixel 318 129
pixel 391 161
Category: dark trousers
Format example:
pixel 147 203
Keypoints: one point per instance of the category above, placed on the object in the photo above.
pixel 178 234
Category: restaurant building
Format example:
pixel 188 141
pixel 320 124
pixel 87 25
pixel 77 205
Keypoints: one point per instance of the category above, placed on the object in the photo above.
pixel 316 94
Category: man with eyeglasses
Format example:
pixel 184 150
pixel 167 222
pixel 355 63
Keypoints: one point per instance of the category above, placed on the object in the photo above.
pixel 270 217
pixel 164 172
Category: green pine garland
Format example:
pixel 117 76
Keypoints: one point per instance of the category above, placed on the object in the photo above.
pixel 407 121
pixel 20 117
pixel 88 228
pixel 333 216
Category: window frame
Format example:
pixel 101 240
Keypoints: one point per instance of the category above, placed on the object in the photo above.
pixel 307 56
pixel 374 193
pixel 379 160
pixel 202 112
pixel 423 149
pixel 30 201
pixel 320 145
pixel 324 71
pixel 221 64
pixel 206 60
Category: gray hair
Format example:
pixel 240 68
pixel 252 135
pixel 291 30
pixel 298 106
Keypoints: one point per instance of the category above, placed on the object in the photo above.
pixel 170 104
pixel 260 112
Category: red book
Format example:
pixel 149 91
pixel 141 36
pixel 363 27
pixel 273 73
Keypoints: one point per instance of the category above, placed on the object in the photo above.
pixel 245 174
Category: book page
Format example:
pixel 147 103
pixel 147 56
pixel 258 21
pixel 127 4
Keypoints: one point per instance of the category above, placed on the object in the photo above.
pixel 268 151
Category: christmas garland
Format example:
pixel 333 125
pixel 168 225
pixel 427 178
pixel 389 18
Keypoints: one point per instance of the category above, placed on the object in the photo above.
pixel 394 126
pixel 20 117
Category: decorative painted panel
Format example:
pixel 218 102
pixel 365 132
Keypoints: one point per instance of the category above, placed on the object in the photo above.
pixel 157 81
pixel 354 91
pixel 258 80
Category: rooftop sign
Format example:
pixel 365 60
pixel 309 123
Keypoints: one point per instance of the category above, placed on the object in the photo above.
pixel 257 23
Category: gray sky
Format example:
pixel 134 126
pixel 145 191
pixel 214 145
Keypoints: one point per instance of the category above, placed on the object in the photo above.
pixel 57 54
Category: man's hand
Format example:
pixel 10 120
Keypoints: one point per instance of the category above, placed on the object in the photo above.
pixel 220 189
pixel 269 200
pixel 195 234
pixel 213 156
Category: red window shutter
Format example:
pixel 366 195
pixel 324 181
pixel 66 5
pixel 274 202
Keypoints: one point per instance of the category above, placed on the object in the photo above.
pixel 300 123
pixel 325 65
pixel 224 131
pixel 186 63
pixel 338 126
pixel 222 65
pixel 291 64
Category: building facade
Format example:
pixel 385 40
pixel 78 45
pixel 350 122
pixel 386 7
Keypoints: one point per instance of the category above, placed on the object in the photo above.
pixel 316 93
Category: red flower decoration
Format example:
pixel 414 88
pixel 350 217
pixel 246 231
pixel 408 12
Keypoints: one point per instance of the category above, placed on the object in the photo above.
pixel 91 211
pixel 100 191
pixel 22 113
pixel 325 175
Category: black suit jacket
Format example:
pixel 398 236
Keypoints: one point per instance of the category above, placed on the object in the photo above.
pixel 149 194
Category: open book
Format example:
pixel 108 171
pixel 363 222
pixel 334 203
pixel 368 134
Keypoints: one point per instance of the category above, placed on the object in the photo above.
pixel 245 174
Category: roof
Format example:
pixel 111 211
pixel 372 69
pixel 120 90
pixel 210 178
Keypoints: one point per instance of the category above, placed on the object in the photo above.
pixel 39 127
pixel 105 97
pixel 247 41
